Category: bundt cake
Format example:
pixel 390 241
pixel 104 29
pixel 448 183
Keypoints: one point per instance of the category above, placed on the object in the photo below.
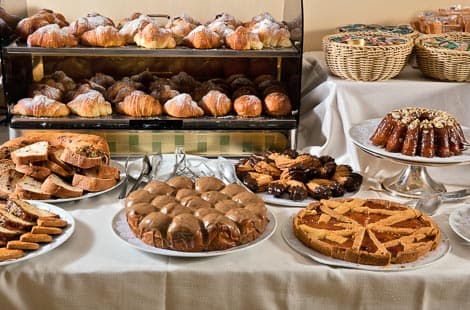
pixel 194 216
pixel 420 132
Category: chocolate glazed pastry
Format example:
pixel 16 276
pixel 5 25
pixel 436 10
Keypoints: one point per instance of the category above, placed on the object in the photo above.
pixel 185 233
pixel 153 228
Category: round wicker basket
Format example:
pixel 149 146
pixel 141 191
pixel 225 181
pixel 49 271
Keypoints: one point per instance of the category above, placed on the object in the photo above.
pixel 366 63
pixel 442 63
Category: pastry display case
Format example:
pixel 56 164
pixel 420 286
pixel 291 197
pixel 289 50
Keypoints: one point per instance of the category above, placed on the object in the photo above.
pixel 231 134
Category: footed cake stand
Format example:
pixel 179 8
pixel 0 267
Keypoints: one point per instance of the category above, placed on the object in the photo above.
pixel 413 181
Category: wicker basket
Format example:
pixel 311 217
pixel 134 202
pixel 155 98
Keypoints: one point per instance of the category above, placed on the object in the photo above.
pixel 441 63
pixel 366 63
pixel 412 35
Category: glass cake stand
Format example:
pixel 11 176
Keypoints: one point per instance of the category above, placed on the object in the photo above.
pixel 413 181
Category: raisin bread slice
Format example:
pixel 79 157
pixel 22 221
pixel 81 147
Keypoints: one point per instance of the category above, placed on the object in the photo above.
pixel 57 187
pixel 27 211
pixel 29 188
pixel 31 153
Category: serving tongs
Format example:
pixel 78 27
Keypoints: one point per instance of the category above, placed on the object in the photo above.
pixel 145 173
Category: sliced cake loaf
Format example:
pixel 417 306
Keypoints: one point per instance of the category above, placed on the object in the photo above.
pixel 55 186
pixel 31 153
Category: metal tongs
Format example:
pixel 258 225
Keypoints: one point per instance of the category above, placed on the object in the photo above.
pixel 144 173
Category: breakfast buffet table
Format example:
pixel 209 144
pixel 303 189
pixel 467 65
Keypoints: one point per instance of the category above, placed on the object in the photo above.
pixel 95 269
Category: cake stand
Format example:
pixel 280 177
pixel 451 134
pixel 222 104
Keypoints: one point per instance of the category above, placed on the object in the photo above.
pixel 413 181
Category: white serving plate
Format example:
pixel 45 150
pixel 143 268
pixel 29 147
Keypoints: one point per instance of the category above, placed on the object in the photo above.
pixel 459 221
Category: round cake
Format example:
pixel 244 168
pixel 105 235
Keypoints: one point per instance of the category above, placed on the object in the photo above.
pixel 366 231
pixel 194 216
pixel 420 132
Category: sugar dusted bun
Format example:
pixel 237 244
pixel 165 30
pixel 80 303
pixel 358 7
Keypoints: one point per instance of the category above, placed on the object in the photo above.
pixel 243 39
pixel 277 104
pixel 247 106
pixel 202 37
pixel 152 36
pixel 216 103
pixel 182 106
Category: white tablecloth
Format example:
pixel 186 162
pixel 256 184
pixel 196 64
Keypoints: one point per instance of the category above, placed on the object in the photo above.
pixel 96 270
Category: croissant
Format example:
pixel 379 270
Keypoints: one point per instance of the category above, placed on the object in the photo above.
pixel 125 20
pixel 243 39
pixel 272 34
pixel 131 27
pixel 152 36
pixel 103 36
pixel 90 104
pixel 118 91
pixel 43 17
pixel 40 106
pixel 139 104
pixel 216 103
pixel 182 106
pixel 46 90
pixel 248 106
pixel 202 37
pixel 89 22
pixel 51 36
pixel 181 26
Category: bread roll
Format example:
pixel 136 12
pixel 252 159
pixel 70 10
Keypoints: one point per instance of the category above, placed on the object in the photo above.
pixel 40 106
pixel 90 104
pixel 182 106
pixel 277 104
pixel 102 36
pixel 152 36
pixel 139 104
pixel 248 106
pixel 202 37
pixel 51 36
pixel 89 22
pixel 216 103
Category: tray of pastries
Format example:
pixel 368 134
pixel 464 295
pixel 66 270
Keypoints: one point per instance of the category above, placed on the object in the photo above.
pixel 31 228
pixel 371 234
pixel 291 178
pixel 57 167
pixel 193 217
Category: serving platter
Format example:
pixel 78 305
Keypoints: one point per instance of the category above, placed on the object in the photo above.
pixel 93 194
pixel 361 133
pixel 57 240
pixel 459 221
pixel 287 232
pixel 122 230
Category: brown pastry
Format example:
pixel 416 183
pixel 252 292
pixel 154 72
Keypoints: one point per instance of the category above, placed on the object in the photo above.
pixel 184 82
pixel 102 36
pixel 202 37
pixel 181 26
pixel 46 90
pixel 182 106
pixel 243 39
pixel 159 188
pixel 132 26
pixel 216 103
pixel 89 22
pixel 139 104
pixel 222 233
pixel 59 80
pixel 40 106
pixel 277 104
pixel 152 36
pixel 163 92
pixel 118 91
pixel 43 17
pixel 272 33
pixel 180 182
pixel 185 233
pixel 206 184
pixel 90 104
pixel 248 106
pixel 153 228
pixel 103 79
pixel 51 36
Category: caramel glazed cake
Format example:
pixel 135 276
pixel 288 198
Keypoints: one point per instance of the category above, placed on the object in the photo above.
pixel 420 132
pixel 204 215
pixel 373 231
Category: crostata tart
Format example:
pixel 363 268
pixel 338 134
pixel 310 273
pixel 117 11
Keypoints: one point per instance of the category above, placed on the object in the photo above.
pixel 372 231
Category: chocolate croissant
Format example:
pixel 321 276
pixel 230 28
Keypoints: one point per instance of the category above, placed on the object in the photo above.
pixel 90 104
pixel 40 106
pixel 139 104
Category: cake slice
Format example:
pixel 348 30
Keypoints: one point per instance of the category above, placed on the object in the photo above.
pixel 31 153
pixel 8 180
pixel 92 184
pixel 29 188
pixel 27 211
pixel 55 186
